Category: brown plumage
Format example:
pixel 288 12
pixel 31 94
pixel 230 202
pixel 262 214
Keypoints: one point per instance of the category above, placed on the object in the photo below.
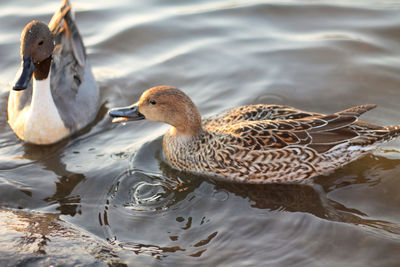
pixel 257 143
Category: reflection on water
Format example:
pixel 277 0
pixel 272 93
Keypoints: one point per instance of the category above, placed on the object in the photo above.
pixel 49 157
pixel 109 186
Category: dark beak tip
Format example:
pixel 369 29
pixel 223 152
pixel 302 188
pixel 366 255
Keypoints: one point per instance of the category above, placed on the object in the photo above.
pixel 28 68
pixel 129 113
pixel 113 113
pixel 19 87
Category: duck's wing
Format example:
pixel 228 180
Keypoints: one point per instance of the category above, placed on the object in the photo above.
pixel 74 89
pixel 62 24
pixel 320 132
pixel 256 113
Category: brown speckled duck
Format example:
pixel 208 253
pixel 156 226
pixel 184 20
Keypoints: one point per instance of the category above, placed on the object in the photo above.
pixel 256 143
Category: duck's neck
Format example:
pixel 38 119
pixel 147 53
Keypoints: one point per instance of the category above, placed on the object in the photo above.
pixel 185 133
pixel 44 124
pixel 42 97
pixel 188 125
pixel 42 69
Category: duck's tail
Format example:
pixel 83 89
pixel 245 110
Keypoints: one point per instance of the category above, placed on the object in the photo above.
pixel 383 133
pixel 59 15
pixel 369 133
pixel 63 21
pixel 393 131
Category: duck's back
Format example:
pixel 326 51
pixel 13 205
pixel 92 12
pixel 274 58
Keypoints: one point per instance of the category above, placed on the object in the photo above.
pixel 262 143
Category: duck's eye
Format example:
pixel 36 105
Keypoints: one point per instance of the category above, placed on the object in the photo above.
pixel 153 102
pixel 41 42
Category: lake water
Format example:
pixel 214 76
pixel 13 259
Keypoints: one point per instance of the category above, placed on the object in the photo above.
pixel 105 196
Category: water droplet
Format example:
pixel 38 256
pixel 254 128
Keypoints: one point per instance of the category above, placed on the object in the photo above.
pixel 220 195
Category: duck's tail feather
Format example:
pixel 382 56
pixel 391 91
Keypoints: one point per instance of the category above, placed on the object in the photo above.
pixel 357 110
pixel 383 134
pixel 393 131
pixel 65 14
pixel 59 15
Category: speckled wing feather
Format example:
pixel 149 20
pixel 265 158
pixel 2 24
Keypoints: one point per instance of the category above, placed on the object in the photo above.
pixel 283 150
pixel 256 113
pixel 316 131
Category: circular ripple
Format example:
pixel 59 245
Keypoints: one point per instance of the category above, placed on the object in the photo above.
pixel 152 196
pixel 139 191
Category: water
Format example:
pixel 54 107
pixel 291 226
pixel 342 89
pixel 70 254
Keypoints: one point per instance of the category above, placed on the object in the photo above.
pixel 105 196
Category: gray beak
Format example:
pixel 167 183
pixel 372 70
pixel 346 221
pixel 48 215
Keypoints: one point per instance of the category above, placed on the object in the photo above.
pixel 27 71
pixel 130 113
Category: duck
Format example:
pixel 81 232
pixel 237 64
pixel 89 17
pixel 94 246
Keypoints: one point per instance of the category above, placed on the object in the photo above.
pixel 55 93
pixel 260 143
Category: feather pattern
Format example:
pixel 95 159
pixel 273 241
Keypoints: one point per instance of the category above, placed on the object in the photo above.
pixel 270 143
pixel 256 143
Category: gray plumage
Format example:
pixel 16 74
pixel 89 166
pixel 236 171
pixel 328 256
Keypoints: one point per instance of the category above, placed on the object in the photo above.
pixel 73 87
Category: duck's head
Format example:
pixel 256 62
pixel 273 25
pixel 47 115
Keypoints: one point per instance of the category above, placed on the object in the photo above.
pixel 164 104
pixel 37 45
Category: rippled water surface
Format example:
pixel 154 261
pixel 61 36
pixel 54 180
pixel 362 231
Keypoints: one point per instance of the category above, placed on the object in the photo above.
pixel 105 196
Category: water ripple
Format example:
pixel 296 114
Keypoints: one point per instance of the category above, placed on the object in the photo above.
pixel 150 196
pixel 134 190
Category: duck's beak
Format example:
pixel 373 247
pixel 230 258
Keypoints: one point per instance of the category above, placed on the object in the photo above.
pixel 130 113
pixel 27 71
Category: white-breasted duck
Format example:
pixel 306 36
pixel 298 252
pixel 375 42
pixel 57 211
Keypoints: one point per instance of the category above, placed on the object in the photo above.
pixel 256 143
pixel 63 96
